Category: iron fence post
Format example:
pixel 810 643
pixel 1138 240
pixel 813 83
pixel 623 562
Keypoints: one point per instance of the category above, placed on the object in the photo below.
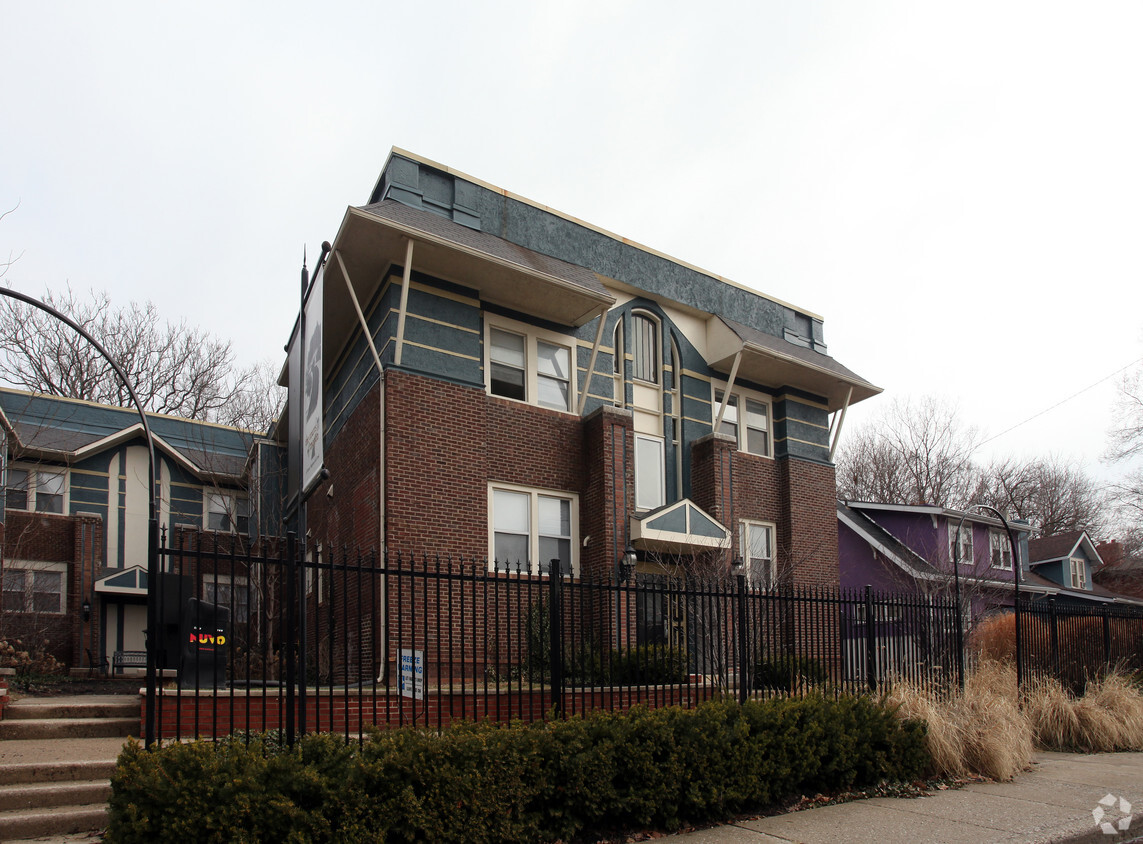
pixel 555 637
pixel 870 640
pixel 289 643
pixel 1103 611
pixel 743 657
pixel 1055 632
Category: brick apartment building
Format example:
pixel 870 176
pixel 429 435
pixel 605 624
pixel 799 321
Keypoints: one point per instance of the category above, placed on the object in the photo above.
pixel 533 387
pixel 73 519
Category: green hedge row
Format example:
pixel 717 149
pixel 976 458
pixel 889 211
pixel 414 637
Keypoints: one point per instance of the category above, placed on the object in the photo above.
pixel 543 782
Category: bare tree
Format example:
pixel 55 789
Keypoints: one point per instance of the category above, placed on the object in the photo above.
pixel 175 368
pixel 1054 494
pixel 918 452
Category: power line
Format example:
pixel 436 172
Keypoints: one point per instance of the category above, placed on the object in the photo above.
pixel 1061 401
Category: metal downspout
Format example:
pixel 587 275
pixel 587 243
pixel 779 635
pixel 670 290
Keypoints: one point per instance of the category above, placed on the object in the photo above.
pixel 384 649
pixel 404 302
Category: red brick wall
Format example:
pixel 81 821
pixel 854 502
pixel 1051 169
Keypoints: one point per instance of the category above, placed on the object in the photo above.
pixel 797 496
pixel 77 541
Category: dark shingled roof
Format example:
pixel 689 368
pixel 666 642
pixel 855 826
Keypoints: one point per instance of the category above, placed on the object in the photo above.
pixel 799 353
pixel 495 247
pixel 1053 547
pixel 50 424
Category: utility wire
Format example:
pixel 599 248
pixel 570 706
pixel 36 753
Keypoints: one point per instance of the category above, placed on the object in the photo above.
pixel 1061 401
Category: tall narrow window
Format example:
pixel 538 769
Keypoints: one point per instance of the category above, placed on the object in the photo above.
pixel 1001 550
pixel 649 487
pixel 729 424
pixel 49 492
pixel 14 588
pixel 645 348
pixel 757 428
pixel 966 554
pixel 553 371
pixel 555 533
pixel 17 490
pixel 756 543
pixel 511 529
pixel 618 365
pixel 509 364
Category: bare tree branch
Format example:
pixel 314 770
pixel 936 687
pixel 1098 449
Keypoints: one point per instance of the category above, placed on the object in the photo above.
pixel 175 368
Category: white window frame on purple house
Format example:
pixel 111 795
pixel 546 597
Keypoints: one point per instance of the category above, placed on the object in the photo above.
pixel 967 557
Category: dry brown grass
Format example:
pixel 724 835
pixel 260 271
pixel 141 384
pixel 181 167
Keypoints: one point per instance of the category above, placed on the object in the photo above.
pixel 980 731
pixel 1108 718
pixel 983 731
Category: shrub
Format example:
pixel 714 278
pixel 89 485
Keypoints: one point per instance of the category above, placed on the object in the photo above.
pixel 787 673
pixel 28 660
pixel 481 782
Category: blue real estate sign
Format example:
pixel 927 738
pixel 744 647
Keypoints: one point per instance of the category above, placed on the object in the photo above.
pixel 412 674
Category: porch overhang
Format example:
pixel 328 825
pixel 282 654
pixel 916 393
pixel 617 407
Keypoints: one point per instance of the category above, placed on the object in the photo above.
pixel 373 238
pixel 679 528
pixel 774 362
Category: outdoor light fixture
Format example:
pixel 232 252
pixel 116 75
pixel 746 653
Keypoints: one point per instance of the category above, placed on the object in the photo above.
pixel 86 609
pixel 737 565
pixel 627 563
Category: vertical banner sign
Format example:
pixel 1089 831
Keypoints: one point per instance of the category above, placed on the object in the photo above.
pixel 313 446
pixel 294 443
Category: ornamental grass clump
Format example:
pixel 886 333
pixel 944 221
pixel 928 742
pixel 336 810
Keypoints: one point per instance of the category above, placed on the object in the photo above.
pixel 1107 718
pixel 978 731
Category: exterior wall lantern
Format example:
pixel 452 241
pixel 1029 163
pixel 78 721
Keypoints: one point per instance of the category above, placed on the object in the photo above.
pixel 86 608
pixel 627 562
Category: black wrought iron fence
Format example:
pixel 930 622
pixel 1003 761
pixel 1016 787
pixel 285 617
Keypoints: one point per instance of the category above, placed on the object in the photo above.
pixel 1074 643
pixel 343 641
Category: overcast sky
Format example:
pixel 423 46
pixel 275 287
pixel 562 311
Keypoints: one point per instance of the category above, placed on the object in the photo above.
pixel 957 188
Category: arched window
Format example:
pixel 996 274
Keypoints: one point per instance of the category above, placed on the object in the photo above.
pixel 645 348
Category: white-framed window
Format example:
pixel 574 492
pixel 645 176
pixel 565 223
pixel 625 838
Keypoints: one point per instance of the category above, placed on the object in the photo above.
pixel 227 512
pixel 227 591
pixel 1001 550
pixel 650 479
pixel 756 545
pixel 34 587
pixel 966 558
pixel 644 347
pixel 41 490
pixel 528 528
pixel 746 418
pixel 527 364
pixel 1079 573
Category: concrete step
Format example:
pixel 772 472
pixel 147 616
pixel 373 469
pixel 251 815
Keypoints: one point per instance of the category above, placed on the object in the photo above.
pixel 55 728
pixel 62 820
pixel 44 795
pixel 26 773
pixel 42 710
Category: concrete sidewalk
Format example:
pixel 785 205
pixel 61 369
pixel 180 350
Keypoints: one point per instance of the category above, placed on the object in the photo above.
pixel 1051 803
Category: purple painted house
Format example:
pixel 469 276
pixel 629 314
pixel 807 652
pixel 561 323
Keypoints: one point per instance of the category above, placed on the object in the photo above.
pixel 910 548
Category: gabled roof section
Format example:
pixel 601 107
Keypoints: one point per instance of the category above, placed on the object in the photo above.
pixel 679 527
pixel 895 551
pixel 1063 546
pixel 66 430
pixel 129 581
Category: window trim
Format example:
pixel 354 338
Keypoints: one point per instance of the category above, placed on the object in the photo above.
pixel 1078 566
pixel 998 541
pixel 240 582
pixel 230 499
pixel 534 495
pixel 532 337
pixel 34 471
pixel 744 526
pixel 31 567
pixel 657 347
pixel 662 498
pixel 741 395
pixel 968 559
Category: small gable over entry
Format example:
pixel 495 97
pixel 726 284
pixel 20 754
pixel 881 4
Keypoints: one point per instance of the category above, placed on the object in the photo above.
pixel 132 581
pixel 682 527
